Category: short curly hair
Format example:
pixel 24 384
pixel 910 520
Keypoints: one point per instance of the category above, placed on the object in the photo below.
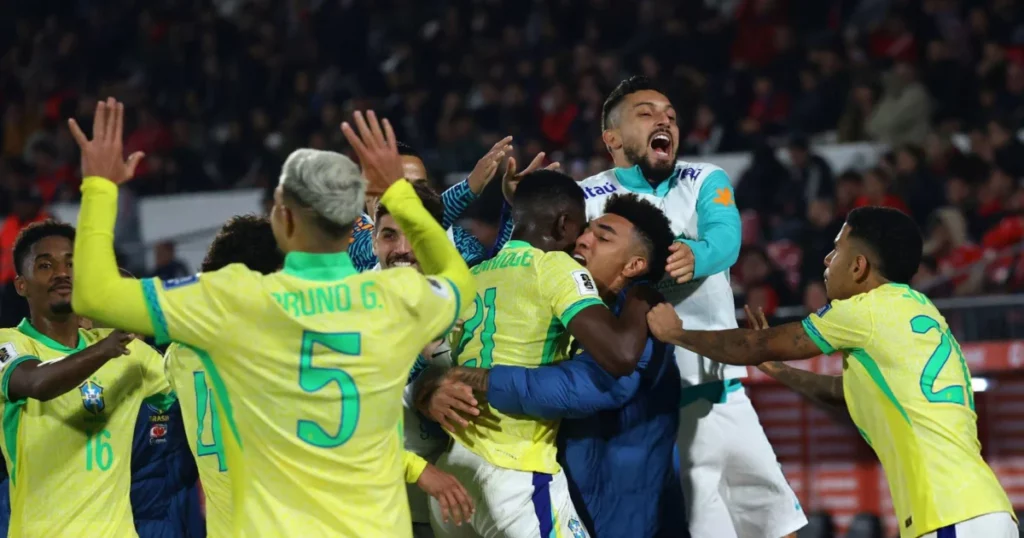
pixel 34 233
pixel 650 224
pixel 245 239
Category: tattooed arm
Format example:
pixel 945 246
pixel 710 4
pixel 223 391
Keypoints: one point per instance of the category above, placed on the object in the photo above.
pixel 825 391
pixel 787 342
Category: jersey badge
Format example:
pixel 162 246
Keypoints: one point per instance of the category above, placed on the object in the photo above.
pixel 724 197
pixel 438 288
pixel 576 528
pixel 7 352
pixel 584 283
pixel 157 433
pixel 179 282
pixel 821 311
pixel 92 397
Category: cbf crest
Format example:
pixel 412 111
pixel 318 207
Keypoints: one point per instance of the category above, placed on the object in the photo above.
pixel 92 397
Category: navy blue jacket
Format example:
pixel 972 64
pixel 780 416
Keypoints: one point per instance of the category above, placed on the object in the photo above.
pixel 165 495
pixel 616 439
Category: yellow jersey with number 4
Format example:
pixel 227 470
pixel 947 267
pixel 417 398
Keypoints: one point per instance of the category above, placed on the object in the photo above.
pixel 69 459
pixel 205 438
pixel 525 301
pixel 908 389
pixel 307 367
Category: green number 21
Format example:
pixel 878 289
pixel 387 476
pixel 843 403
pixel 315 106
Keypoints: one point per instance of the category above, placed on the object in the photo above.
pixel 484 315
pixel 957 394
pixel 316 378
pixel 204 406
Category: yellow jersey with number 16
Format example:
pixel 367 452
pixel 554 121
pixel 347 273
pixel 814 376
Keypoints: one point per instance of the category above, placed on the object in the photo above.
pixel 908 389
pixel 69 458
pixel 525 301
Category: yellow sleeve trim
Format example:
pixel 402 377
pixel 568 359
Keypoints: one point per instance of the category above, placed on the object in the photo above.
pixel 414 466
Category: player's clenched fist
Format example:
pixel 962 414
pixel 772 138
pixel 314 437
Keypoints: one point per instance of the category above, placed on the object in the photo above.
pixel 377 149
pixel 663 322
pixel 453 498
pixel 103 155
pixel 115 344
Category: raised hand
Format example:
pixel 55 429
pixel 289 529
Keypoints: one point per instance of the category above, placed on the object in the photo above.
pixel 487 166
pixel 511 179
pixel 449 402
pixel 103 156
pixel 377 150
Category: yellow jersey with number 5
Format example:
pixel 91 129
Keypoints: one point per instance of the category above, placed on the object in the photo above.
pixel 307 368
pixel 908 390
pixel 69 458
pixel 525 301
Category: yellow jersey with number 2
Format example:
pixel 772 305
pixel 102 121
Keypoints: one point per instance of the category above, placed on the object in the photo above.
pixel 908 389
pixel 69 459
pixel 525 301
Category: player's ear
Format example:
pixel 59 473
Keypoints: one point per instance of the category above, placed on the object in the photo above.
pixel 611 139
pixel 635 267
pixel 19 285
pixel 861 268
pixel 559 229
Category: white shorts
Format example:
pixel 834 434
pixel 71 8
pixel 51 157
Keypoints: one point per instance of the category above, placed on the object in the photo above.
pixel 733 485
pixel 509 504
pixel 997 525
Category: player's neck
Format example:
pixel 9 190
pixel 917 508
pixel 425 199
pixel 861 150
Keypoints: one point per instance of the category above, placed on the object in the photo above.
pixel 61 329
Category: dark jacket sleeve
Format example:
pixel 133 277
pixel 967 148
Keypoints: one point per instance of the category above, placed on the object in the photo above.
pixel 570 389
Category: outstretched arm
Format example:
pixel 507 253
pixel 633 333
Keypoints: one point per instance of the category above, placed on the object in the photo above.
pixel 825 391
pixel 26 377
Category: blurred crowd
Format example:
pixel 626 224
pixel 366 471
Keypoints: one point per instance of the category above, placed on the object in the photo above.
pixel 220 91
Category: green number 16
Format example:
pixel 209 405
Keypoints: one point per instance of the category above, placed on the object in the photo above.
pixel 316 378
pixel 484 315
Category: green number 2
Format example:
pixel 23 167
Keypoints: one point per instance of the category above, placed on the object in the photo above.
pixel 204 405
pixel 485 315
pixel 316 378
pixel 957 394
pixel 97 451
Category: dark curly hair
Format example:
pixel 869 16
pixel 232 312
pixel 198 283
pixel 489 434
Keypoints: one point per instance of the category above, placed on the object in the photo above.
pixel 245 239
pixel 35 232
pixel 650 224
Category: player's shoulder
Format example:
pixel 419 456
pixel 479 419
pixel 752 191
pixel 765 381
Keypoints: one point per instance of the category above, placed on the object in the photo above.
pixel 14 343
pixel 608 176
pixel 555 260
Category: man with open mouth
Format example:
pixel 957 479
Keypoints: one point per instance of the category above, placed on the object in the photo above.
pixel 731 479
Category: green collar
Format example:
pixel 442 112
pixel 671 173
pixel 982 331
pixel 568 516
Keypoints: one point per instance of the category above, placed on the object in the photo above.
pixel 517 243
pixel 319 267
pixel 26 328
pixel 633 180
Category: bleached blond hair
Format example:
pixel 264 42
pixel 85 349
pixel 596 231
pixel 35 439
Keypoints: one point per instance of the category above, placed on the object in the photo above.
pixel 329 183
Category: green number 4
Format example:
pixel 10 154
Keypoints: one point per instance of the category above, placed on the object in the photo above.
pixel 484 315
pixel 204 406
pixel 98 452
pixel 957 394
pixel 316 378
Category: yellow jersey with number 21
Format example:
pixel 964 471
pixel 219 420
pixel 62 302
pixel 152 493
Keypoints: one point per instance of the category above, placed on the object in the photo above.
pixel 908 389
pixel 525 301
pixel 69 458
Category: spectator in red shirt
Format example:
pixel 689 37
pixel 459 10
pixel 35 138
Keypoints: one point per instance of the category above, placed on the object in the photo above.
pixel 949 244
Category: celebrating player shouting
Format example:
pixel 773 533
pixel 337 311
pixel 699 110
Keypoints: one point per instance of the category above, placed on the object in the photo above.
pixel 905 382
pixel 731 479
pixel 310 411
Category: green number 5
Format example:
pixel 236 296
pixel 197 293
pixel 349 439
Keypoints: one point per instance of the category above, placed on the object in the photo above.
pixel 316 378
pixel 484 315
pixel 98 452
pixel 204 405
pixel 958 394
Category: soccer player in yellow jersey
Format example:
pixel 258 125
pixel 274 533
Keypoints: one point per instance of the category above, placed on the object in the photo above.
pixel 307 364
pixel 245 239
pixel 905 382
pixel 69 400
pixel 532 297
